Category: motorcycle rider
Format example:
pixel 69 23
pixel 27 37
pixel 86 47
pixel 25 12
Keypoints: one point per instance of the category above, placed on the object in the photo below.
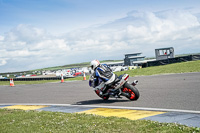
pixel 101 72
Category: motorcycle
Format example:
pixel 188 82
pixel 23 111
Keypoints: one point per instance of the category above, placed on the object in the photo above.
pixel 120 87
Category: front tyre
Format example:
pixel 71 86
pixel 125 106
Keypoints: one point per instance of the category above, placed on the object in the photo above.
pixel 132 91
pixel 103 97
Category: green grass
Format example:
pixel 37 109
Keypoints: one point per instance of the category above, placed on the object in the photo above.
pixel 184 67
pixel 14 121
pixel 19 121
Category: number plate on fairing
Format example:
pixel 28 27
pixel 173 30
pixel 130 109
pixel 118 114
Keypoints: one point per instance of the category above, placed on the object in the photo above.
pixel 125 77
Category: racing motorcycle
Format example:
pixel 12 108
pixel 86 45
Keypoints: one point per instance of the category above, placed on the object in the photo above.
pixel 120 87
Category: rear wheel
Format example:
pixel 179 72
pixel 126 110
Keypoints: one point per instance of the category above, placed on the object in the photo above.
pixel 132 91
pixel 103 97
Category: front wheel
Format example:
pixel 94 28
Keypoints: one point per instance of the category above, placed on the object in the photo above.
pixel 132 91
pixel 103 97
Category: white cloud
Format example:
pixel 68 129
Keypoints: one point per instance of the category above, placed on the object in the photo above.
pixel 2 62
pixel 26 33
pixel 1 38
pixel 32 47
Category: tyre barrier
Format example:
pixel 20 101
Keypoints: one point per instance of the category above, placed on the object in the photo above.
pixel 172 60
pixel 32 79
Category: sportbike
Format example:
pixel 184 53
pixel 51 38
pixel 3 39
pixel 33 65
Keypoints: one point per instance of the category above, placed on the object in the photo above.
pixel 120 87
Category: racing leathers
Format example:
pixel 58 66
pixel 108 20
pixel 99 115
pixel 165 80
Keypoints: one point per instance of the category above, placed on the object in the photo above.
pixel 102 75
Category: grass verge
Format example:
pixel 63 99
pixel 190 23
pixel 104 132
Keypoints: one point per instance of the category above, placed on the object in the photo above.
pixel 184 67
pixel 18 121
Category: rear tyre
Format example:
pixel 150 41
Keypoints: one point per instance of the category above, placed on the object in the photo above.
pixel 132 91
pixel 103 97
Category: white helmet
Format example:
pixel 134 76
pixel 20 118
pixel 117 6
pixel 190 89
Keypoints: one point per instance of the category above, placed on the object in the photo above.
pixel 94 64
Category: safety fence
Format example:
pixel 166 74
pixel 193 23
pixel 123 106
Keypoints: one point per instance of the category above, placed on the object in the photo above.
pixel 172 60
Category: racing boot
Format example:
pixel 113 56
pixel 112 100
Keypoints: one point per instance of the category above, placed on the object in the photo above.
pixel 103 91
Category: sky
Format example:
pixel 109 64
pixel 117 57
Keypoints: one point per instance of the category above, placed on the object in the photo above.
pixel 37 34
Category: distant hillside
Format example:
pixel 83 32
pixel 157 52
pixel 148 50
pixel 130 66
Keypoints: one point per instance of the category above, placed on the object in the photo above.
pixel 77 65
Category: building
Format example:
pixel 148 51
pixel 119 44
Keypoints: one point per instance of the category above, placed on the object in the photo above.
pixel 164 53
pixel 131 58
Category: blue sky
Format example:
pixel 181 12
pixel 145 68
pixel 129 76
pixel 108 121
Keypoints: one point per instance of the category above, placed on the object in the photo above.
pixel 43 33
pixel 60 16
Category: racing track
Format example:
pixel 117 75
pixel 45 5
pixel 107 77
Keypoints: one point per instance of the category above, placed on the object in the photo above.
pixel 173 91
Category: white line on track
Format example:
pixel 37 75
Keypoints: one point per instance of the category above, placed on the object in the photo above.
pixel 112 107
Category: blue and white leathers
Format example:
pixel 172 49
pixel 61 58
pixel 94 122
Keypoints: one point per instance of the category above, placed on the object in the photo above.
pixel 104 73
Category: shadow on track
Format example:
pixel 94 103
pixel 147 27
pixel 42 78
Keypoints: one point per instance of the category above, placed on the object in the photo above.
pixel 99 101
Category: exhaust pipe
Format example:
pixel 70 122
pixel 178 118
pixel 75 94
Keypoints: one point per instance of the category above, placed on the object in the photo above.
pixel 135 82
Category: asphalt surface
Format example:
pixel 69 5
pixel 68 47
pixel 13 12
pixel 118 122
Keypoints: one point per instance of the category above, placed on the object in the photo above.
pixel 173 91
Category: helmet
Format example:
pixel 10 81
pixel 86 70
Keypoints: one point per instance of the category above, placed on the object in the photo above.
pixel 94 64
